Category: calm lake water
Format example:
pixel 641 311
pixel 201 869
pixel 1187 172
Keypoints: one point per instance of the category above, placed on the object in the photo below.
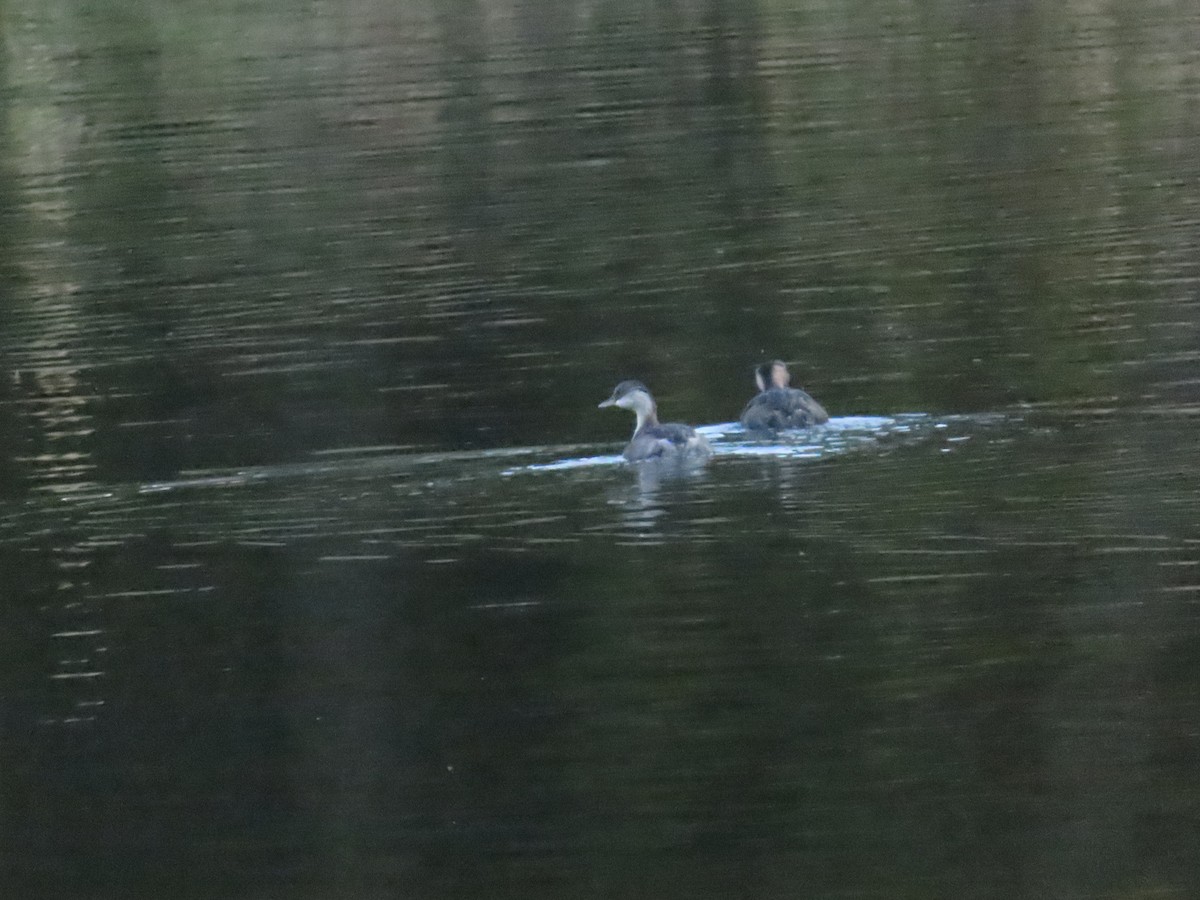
pixel 320 576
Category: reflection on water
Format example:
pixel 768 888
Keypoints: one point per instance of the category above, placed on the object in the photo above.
pixel 319 575
pixel 433 668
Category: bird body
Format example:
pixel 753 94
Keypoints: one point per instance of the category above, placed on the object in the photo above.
pixel 778 406
pixel 652 439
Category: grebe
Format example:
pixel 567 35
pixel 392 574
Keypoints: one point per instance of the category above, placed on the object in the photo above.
pixel 778 406
pixel 652 440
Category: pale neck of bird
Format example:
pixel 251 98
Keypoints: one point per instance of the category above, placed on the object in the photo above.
pixel 646 415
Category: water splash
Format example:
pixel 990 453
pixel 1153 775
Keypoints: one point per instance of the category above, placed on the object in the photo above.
pixel 841 435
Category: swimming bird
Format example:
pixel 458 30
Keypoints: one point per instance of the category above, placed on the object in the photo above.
pixel 778 406
pixel 652 440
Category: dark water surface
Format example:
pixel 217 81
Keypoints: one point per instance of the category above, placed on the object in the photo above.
pixel 319 574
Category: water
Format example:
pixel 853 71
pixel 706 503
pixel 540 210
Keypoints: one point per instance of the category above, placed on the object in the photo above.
pixel 320 573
